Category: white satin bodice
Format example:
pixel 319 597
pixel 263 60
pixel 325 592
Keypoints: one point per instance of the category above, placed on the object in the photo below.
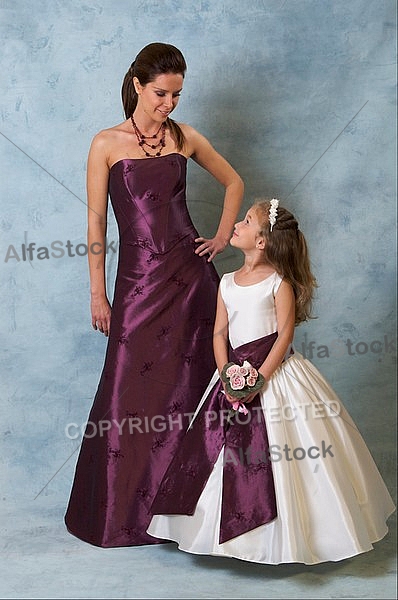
pixel 251 308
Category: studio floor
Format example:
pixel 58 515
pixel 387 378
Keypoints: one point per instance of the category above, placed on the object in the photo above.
pixel 40 559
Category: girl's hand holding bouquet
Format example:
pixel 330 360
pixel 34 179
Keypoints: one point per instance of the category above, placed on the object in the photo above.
pixel 241 384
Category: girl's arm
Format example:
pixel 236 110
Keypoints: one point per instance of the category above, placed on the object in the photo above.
pixel 97 195
pixel 220 334
pixel 285 314
pixel 207 157
pixel 220 339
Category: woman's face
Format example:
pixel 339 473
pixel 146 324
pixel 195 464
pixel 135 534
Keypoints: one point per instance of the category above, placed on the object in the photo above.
pixel 159 97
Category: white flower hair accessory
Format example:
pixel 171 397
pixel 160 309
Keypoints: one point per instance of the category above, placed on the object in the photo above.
pixel 273 212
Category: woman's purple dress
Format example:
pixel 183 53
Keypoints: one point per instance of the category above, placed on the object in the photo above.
pixel 159 358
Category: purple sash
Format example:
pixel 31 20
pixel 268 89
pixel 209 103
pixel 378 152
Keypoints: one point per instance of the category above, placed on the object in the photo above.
pixel 248 494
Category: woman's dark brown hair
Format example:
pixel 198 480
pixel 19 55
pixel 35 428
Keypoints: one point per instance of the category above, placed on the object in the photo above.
pixel 153 60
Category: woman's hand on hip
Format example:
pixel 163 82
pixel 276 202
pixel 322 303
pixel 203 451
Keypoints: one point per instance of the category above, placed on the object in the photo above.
pixel 211 247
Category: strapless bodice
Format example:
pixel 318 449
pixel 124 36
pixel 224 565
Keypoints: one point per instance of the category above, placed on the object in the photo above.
pixel 148 196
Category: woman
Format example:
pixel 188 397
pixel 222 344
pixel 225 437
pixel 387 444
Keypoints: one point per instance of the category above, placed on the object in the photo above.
pixel 159 354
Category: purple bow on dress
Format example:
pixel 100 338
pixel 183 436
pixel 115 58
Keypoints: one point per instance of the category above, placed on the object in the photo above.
pixel 248 494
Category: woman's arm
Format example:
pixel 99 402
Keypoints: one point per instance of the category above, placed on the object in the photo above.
pixel 207 157
pixel 97 195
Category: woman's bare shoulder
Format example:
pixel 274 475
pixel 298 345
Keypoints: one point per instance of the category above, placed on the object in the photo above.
pixel 110 134
pixel 188 131
pixel 193 139
pixel 110 142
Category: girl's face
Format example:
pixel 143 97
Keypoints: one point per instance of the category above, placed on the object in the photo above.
pixel 159 97
pixel 246 233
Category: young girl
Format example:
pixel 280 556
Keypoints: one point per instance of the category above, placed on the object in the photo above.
pixel 284 476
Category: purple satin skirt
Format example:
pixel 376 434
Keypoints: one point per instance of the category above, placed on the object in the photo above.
pixel 159 358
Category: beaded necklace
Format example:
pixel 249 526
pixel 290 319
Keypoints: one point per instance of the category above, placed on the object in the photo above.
pixel 142 139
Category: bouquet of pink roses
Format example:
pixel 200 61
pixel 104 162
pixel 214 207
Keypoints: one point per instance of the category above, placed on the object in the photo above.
pixel 240 381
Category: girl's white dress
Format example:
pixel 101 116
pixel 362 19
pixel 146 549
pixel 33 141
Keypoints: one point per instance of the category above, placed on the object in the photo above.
pixel 331 504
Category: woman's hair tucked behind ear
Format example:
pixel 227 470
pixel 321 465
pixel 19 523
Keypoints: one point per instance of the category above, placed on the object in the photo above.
pixel 153 60
pixel 286 249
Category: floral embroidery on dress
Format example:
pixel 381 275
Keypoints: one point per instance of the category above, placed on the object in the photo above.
pixel 260 466
pixel 128 168
pixel 163 331
pixel 239 516
pixel 138 291
pixel 166 488
pixel 188 359
pixel 152 257
pixel 131 415
pixel 235 438
pixel 175 407
pixel 158 443
pixel 191 471
pixel 257 460
pixel 178 280
pixel 143 492
pixel 142 243
pixel 114 453
pixel 130 531
pixel 146 367
pixel 153 197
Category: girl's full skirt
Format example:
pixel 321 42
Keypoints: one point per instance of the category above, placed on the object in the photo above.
pixel 331 500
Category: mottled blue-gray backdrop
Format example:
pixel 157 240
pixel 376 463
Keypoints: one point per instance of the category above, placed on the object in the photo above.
pixel 299 95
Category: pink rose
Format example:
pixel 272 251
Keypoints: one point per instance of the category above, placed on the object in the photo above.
pixel 243 371
pixel 253 372
pixel 237 382
pixel 231 370
pixel 251 381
